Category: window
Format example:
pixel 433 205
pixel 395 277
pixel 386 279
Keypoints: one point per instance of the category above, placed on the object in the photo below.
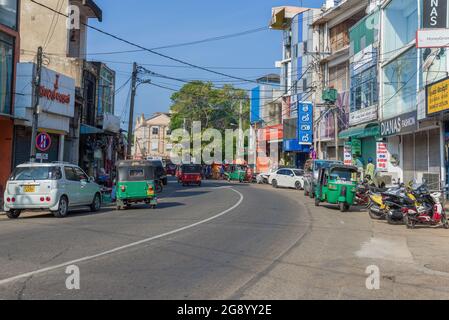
pixel 298 173
pixel 70 174
pixel 400 85
pixel 364 92
pixel 80 174
pixel 155 130
pixel 136 173
pixel 400 24
pixel 36 173
pixel 6 72
pixel 8 13
pixel 338 77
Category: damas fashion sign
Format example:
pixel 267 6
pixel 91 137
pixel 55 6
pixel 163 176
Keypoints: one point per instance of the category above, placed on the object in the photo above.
pixel 402 124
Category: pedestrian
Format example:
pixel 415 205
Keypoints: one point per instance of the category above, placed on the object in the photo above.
pixel 222 172
pixel 370 170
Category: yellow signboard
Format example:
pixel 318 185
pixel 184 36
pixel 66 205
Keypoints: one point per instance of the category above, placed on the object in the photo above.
pixel 438 97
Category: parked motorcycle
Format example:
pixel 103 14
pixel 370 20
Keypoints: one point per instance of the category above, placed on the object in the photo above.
pixel 428 210
pixel 388 205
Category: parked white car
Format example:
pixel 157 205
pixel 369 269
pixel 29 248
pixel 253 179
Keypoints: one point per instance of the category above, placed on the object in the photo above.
pixel 287 178
pixel 54 187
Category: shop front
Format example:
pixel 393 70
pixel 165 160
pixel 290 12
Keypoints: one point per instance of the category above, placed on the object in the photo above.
pixel 55 110
pixel 414 152
pixel 298 136
pixel 361 142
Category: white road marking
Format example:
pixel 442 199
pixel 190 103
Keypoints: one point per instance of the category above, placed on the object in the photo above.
pixel 133 244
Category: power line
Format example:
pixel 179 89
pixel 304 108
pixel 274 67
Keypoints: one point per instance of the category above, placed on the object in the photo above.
pixel 146 49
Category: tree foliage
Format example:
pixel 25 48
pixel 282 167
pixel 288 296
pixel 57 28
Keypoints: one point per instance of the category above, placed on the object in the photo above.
pixel 216 108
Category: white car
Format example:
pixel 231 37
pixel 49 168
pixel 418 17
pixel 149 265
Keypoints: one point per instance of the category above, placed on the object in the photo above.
pixel 287 178
pixel 54 187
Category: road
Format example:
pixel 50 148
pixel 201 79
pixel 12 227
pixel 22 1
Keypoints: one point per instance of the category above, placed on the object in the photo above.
pixel 220 241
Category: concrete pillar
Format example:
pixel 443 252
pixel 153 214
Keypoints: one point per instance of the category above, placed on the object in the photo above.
pixel 61 147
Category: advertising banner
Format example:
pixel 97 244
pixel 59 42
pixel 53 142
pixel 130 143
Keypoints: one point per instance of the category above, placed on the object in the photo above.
pixel 382 157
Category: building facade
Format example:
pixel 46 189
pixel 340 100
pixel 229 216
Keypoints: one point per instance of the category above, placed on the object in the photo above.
pixel 152 137
pixel 9 56
pixel 334 49
pixel 298 80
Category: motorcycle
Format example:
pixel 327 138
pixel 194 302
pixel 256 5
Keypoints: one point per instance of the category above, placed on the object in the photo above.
pixel 388 205
pixel 428 210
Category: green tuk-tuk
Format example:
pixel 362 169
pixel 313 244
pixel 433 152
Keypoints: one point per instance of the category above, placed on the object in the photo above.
pixel 236 172
pixel 135 183
pixel 336 185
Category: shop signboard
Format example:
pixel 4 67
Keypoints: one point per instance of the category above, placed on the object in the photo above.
pixel 382 157
pixel 432 38
pixel 437 97
pixel 356 146
pixel 434 14
pixel 305 123
pixel 363 115
pixel 348 154
pixel 402 124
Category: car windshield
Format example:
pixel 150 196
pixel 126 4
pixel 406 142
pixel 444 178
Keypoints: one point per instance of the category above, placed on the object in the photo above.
pixel 341 174
pixel 36 173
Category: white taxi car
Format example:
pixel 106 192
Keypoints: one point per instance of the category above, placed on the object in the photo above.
pixel 287 178
pixel 54 187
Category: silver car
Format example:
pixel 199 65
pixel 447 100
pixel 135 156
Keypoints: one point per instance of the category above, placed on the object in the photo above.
pixel 54 187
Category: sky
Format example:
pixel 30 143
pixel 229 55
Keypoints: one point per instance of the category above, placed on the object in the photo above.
pixel 156 23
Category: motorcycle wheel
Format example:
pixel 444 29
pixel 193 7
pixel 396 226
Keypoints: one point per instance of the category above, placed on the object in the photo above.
pixel 445 222
pixel 392 221
pixel 375 216
pixel 409 222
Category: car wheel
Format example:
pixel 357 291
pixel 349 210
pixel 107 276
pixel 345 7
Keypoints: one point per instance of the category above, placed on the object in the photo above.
pixel 298 185
pixel 63 208
pixel 274 183
pixel 13 214
pixel 96 203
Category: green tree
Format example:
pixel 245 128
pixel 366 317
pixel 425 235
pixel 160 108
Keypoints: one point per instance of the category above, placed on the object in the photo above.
pixel 216 108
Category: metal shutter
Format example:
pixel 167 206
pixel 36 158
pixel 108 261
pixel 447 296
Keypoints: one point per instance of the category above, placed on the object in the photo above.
pixel 408 157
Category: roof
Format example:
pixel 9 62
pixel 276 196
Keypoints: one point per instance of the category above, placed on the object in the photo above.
pixel 281 16
pixel 95 11
pixel 343 7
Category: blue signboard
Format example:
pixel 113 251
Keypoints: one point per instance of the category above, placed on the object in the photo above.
pixel 305 123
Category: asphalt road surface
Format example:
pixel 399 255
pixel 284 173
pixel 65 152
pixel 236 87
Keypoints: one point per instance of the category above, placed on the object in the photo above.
pixel 219 241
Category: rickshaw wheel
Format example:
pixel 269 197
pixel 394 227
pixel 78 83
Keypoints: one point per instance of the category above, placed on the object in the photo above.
pixel 343 207
pixel 317 202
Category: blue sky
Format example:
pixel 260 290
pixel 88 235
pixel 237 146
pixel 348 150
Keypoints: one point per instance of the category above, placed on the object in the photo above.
pixel 154 23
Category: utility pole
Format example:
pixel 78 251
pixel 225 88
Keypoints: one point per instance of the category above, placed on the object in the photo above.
pixel 336 132
pixel 131 109
pixel 35 121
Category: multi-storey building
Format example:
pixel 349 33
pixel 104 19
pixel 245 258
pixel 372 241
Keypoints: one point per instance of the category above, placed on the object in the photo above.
pixel 152 137
pixel 266 121
pixel 334 48
pixel 9 56
pixel 298 79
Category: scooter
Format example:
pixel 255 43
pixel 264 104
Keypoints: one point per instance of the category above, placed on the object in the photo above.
pixel 388 205
pixel 422 215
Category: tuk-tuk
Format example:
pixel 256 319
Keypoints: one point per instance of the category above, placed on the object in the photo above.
pixel 190 174
pixel 336 185
pixel 236 172
pixel 135 183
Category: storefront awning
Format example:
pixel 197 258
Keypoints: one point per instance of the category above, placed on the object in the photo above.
pixel 85 129
pixel 362 131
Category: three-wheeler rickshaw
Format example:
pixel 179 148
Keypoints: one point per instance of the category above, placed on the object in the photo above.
pixel 190 174
pixel 236 172
pixel 136 183
pixel 336 185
